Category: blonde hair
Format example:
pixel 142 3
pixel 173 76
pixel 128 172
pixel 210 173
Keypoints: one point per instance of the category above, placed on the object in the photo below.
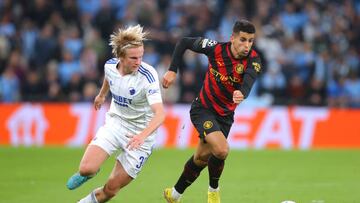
pixel 132 36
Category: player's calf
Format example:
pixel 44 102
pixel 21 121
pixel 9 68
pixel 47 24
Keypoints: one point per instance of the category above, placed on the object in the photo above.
pixel 87 169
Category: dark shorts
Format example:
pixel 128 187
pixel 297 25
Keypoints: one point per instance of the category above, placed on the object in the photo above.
pixel 207 121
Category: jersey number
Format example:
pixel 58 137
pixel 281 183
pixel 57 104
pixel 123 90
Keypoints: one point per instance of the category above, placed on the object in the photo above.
pixel 142 160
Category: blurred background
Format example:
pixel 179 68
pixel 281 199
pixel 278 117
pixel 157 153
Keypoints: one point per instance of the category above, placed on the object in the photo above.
pixel 54 51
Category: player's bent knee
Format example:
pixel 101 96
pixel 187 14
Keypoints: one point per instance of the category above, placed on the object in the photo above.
pixel 221 153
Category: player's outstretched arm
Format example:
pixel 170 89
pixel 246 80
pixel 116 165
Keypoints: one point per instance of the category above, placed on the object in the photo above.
pixel 100 98
pixel 159 117
pixel 181 46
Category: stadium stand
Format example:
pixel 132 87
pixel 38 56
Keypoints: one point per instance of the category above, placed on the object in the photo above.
pixel 54 51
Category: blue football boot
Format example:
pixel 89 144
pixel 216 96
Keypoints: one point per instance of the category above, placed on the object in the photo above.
pixel 77 180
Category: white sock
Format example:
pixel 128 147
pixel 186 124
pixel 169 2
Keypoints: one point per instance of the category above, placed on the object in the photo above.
pixel 87 199
pixel 93 196
pixel 175 194
pixel 90 198
pixel 213 189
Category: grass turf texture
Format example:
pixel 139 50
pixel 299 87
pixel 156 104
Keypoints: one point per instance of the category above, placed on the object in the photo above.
pixel 36 175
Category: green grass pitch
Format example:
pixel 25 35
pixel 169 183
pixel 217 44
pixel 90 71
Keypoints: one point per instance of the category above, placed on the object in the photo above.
pixel 39 175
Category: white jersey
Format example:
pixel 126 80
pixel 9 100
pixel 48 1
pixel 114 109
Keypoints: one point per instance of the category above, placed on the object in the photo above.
pixel 133 94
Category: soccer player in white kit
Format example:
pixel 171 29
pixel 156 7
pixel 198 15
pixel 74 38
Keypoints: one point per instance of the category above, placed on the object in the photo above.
pixel 135 113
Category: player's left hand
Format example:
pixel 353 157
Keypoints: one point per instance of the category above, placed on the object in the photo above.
pixel 135 142
pixel 238 97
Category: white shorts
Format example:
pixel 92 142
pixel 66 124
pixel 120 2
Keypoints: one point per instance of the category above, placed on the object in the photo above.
pixel 114 136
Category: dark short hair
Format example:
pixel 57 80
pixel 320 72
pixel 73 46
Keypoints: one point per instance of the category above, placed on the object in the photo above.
pixel 243 26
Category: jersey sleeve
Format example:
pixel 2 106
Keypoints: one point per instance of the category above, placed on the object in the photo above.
pixel 250 75
pixel 152 90
pixel 107 68
pixel 199 45
pixel 106 72
pixel 204 45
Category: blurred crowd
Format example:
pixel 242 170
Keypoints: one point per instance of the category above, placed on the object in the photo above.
pixel 55 50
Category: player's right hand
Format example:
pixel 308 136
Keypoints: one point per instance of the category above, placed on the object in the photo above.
pixel 168 79
pixel 99 100
pixel 135 142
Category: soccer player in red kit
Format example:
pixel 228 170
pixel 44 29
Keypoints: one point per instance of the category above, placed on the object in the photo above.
pixel 232 70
